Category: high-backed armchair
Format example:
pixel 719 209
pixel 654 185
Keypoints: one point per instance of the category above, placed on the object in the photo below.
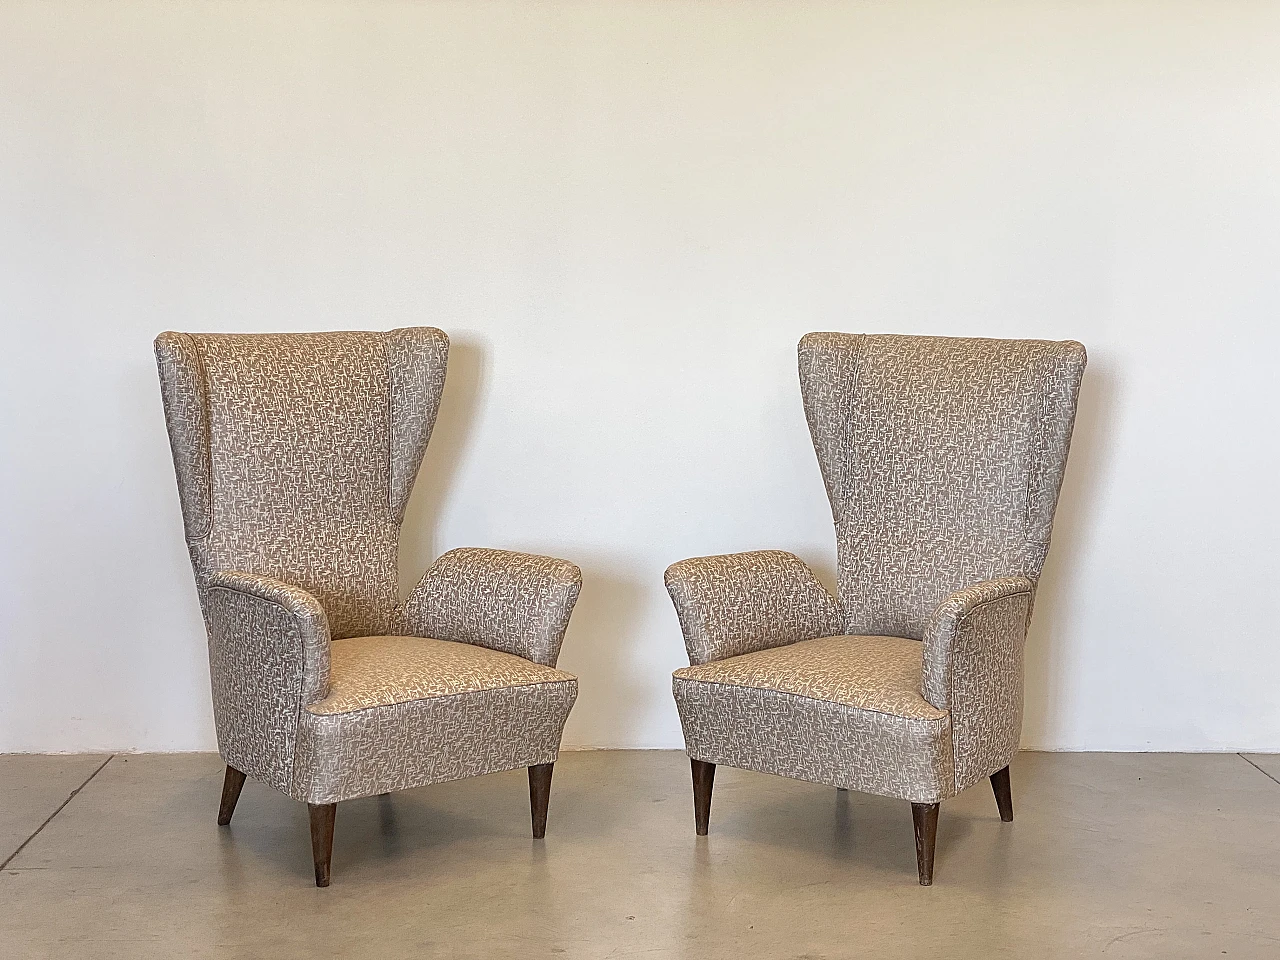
pixel 942 459
pixel 295 456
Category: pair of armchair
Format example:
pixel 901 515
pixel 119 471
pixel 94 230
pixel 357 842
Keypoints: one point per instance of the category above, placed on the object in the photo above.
pixel 295 457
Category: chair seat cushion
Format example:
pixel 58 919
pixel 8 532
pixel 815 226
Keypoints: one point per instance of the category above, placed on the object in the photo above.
pixel 404 712
pixel 870 673
pixel 379 671
pixel 845 711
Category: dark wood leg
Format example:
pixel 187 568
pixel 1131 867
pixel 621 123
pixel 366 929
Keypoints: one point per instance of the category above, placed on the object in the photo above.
pixel 925 817
pixel 232 784
pixel 704 777
pixel 1004 796
pixel 539 797
pixel 322 815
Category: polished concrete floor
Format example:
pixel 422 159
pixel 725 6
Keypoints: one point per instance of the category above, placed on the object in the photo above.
pixel 1111 855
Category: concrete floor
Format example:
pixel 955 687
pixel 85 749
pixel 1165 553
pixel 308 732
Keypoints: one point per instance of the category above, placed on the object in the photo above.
pixel 1115 855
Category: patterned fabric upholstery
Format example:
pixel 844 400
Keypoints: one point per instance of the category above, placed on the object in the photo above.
pixel 362 753
pixel 295 456
pixel 369 672
pixel 749 601
pixel 942 458
pixel 840 710
pixel 515 602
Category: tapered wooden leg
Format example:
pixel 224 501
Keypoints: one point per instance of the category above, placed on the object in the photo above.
pixel 322 816
pixel 539 797
pixel 1004 795
pixel 925 817
pixel 232 784
pixel 704 777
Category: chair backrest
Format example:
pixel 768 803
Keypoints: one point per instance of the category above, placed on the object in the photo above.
pixel 296 455
pixel 942 457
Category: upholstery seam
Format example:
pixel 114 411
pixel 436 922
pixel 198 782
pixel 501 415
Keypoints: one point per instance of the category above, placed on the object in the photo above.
pixel 801 696
pixel 391 408
pixel 207 446
pixel 446 696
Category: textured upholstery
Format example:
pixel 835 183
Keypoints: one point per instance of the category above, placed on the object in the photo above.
pixel 741 602
pixel 363 753
pixel 840 710
pixel 973 668
pixel 379 671
pixel 516 602
pixel 880 674
pixel 295 457
pixel 942 459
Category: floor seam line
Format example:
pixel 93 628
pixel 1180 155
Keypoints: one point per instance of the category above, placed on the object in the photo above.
pixel 62 806
pixel 1258 768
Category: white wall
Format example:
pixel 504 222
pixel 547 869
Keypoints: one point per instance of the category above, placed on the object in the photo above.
pixel 625 214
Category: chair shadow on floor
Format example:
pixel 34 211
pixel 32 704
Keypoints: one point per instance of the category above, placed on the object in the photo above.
pixel 828 826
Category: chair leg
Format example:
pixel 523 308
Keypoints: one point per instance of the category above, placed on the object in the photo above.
pixel 1004 795
pixel 232 784
pixel 925 818
pixel 322 816
pixel 704 777
pixel 539 797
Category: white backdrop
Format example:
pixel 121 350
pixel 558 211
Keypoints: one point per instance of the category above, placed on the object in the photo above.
pixel 625 214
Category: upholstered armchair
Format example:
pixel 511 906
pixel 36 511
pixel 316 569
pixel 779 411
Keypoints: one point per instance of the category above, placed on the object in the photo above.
pixel 295 456
pixel 942 460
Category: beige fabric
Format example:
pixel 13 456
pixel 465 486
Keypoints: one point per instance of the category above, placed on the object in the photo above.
pixel 942 458
pixel 411 744
pixel 868 673
pixel 973 661
pixel 516 602
pixel 845 711
pixel 295 457
pixel 379 671
pixel 268 652
pixel 735 603
pixel 287 458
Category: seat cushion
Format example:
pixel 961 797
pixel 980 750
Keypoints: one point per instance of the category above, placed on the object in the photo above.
pixel 845 711
pixel 378 671
pixel 403 712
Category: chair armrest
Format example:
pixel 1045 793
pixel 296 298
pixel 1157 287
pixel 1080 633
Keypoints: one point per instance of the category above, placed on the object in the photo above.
pixel 268 659
pixel 742 602
pixel 259 621
pixel 977 633
pixel 514 602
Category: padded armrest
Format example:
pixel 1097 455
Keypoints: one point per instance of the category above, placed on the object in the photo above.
pixel 258 620
pixel 518 603
pixel 976 631
pixel 742 602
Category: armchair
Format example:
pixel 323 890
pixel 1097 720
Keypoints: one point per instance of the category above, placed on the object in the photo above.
pixel 942 459
pixel 295 457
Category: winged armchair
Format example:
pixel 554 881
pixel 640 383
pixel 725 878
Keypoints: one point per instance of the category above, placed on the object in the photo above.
pixel 942 459
pixel 295 457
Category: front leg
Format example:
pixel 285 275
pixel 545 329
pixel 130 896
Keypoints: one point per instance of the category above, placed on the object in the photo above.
pixel 539 797
pixel 925 819
pixel 322 817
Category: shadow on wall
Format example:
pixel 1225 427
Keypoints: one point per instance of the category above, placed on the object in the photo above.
pixel 1072 531
pixel 455 427
pixel 603 644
